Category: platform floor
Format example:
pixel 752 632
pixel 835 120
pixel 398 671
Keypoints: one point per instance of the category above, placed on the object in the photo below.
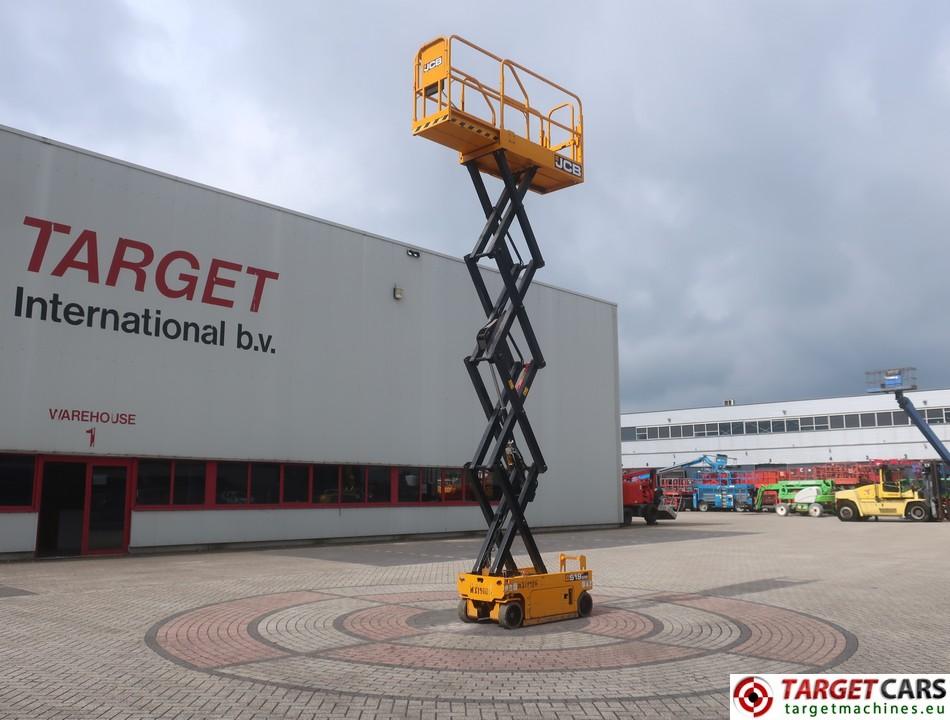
pixel 369 631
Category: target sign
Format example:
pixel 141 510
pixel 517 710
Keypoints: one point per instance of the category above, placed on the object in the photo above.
pixel 752 695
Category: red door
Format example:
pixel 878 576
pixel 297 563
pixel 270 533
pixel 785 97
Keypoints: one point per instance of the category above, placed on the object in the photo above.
pixel 85 506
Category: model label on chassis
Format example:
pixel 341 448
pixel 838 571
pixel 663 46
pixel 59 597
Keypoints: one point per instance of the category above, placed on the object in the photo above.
pixel 568 166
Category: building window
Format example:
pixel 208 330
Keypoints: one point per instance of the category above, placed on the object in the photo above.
pixel 725 428
pixel 453 485
pixel 867 420
pixel 935 416
pixel 296 484
pixel 353 483
pixel 653 433
pixel 900 417
pixel 852 421
pixel 232 483
pixel 430 485
pixel 170 482
pixel 16 480
pixel 791 425
pixel 407 484
pixel 751 428
pixel 664 433
pixel 154 482
pixel 676 431
pixel 699 431
pixel 807 424
pixel 765 426
pixel 641 433
pixel 628 434
pixel 265 484
pixel 821 422
pixel 687 431
pixel 326 484
pixel 736 428
pixel 712 429
pixel 778 426
pixel 837 422
pixel 884 419
pixel 188 485
pixel 378 484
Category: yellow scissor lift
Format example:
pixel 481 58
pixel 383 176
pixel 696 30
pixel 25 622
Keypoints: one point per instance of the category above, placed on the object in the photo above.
pixel 499 131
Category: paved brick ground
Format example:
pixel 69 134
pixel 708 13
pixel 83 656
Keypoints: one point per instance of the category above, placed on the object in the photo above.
pixel 370 631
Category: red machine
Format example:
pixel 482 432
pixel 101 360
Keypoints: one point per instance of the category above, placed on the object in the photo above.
pixel 642 497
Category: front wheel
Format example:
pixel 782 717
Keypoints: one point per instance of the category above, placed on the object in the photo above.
pixel 463 611
pixel 917 512
pixel 781 509
pixel 650 515
pixel 585 604
pixel 816 510
pixel 703 507
pixel 510 615
pixel 847 512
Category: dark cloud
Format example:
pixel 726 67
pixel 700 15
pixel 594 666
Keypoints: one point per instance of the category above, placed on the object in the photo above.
pixel 767 182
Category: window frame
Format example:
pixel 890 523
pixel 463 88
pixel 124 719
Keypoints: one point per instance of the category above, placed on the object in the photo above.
pixel 34 503
pixel 210 485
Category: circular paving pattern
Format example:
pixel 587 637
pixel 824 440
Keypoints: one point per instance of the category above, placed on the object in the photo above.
pixel 408 642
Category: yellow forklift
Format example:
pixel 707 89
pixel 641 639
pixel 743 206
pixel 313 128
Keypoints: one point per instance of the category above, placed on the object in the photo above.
pixel 893 495
pixel 511 123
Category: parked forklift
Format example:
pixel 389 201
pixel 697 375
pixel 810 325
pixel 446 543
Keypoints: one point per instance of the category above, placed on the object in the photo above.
pixel 894 495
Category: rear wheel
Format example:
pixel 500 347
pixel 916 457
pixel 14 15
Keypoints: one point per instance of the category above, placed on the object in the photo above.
pixel 650 515
pixel 510 615
pixel 816 510
pixel 917 512
pixel 585 604
pixel 703 507
pixel 781 509
pixel 847 511
pixel 463 611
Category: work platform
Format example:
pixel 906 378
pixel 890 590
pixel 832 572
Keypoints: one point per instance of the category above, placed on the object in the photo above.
pixel 453 108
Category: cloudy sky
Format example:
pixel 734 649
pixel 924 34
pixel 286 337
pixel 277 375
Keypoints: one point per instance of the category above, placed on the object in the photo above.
pixel 767 193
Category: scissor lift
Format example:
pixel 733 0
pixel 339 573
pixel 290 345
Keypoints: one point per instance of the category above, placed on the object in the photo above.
pixel 501 133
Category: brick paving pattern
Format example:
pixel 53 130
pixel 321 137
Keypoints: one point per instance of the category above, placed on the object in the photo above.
pixel 306 634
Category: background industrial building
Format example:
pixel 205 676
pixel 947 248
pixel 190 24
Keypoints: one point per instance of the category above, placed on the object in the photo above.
pixel 797 432
pixel 183 366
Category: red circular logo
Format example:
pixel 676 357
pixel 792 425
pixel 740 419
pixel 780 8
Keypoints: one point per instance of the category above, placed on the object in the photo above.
pixel 752 695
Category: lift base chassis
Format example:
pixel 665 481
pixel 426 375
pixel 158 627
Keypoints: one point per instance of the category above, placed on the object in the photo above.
pixel 527 598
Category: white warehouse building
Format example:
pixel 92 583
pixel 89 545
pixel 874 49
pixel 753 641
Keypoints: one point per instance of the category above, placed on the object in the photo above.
pixel 182 366
pixel 796 432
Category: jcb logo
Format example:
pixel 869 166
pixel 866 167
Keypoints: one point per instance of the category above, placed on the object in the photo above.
pixel 562 163
pixel 432 64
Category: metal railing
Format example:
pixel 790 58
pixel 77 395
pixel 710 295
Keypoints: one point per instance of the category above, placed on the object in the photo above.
pixel 564 119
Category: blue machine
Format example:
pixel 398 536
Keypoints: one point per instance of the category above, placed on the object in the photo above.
pixel 716 464
pixel 734 496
